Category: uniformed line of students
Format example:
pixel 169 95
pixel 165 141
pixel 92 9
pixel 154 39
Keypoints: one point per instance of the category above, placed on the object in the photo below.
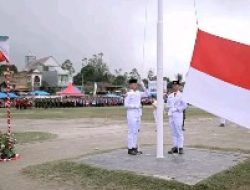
pixel 77 102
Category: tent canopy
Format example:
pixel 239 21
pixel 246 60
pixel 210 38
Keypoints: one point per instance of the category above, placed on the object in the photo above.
pixel 4 95
pixel 71 90
pixel 39 93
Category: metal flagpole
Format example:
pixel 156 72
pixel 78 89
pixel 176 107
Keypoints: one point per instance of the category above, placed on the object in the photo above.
pixel 160 102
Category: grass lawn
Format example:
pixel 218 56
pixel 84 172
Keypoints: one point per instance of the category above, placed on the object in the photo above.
pixel 116 113
pixel 29 137
pixel 87 177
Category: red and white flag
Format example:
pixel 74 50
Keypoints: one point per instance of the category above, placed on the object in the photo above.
pixel 218 80
pixel 4 48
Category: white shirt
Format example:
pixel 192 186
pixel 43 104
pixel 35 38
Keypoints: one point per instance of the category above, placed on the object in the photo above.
pixel 175 103
pixel 133 100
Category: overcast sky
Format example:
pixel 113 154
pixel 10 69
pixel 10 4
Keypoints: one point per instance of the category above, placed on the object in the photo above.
pixel 74 29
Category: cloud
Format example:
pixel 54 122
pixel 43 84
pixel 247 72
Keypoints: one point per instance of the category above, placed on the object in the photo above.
pixel 80 28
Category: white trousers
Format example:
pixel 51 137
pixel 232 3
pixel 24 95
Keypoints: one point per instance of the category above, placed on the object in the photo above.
pixel 175 124
pixel 155 118
pixel 133 127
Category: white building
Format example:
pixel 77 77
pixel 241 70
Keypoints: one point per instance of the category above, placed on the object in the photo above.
pixel 52 73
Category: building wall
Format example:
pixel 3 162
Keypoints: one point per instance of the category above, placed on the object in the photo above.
pixel 51 78
pixel 63 80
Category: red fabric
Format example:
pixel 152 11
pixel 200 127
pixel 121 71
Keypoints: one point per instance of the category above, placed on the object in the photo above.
pixel 223 59
pixel 2 57
pixel 71 90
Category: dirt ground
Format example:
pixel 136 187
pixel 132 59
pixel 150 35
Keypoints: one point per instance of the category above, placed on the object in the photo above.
pixel 77 137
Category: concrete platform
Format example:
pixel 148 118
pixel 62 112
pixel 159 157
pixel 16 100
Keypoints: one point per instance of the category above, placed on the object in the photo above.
pixel 192 167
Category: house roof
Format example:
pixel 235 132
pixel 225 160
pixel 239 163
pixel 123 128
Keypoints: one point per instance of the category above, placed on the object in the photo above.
pixel 59 70
pixel 49 61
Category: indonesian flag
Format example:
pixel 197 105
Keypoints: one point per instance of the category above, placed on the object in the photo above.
pixel 4 48
pixel 218 80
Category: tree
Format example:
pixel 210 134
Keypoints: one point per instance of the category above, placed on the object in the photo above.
pixel 151 75
pixel 68 66
pixel 166 79
pixel 119 80
pixel 13 68
pixel 118 71
pixel 95 71
pixel 134 74
pixel 179 77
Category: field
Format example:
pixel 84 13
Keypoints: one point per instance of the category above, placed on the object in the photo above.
pixel 49 140
pixel 115 113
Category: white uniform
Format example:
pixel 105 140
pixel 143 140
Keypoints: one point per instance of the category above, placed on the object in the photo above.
pixel 133 104
pixel 176 106
pixel 155 112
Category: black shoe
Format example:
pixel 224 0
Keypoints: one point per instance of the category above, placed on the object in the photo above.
pixel 222 125
pixel 181 151
pixel 138 151
pixel 174 150
pixel 132 152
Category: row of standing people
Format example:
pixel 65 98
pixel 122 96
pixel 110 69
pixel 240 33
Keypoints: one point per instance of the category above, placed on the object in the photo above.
pixel 77 102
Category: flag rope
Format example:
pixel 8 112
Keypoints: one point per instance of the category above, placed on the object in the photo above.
pixel 144 36
pixel 196 14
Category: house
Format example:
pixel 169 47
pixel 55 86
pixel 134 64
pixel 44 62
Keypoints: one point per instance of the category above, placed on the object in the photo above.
pixel 53 76
pixel 103 88
pixel 23 81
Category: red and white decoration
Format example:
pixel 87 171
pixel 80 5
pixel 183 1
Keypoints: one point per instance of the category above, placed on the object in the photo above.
pixel 4 57
pixel 218 80
pixel 4 49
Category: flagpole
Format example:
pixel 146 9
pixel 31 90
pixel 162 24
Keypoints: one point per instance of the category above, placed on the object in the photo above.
pixel 160 102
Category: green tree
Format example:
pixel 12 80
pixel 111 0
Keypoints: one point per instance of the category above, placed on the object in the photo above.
pixel 95 71
pixel 68 66
pixel 166 79
pixel 119 80
pixel 134 74
pixel 13 68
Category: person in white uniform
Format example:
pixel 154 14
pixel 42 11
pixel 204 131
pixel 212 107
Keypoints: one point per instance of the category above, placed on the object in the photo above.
pixel 133 104
pixel 175 107
pixel 154 104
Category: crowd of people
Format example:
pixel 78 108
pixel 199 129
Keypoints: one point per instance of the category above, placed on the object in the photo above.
pixel 66 102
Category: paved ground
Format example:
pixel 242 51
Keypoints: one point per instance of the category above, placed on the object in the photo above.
pixel 190 168
pixel 84 136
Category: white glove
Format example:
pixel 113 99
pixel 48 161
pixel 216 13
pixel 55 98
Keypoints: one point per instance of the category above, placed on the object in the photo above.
pixel 171 111
pixel 174 110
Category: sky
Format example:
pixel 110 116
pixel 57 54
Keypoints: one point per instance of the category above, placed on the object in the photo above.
pixel 121 29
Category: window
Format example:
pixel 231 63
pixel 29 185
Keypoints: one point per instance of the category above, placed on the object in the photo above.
pixel 37 79
pixel 45 68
